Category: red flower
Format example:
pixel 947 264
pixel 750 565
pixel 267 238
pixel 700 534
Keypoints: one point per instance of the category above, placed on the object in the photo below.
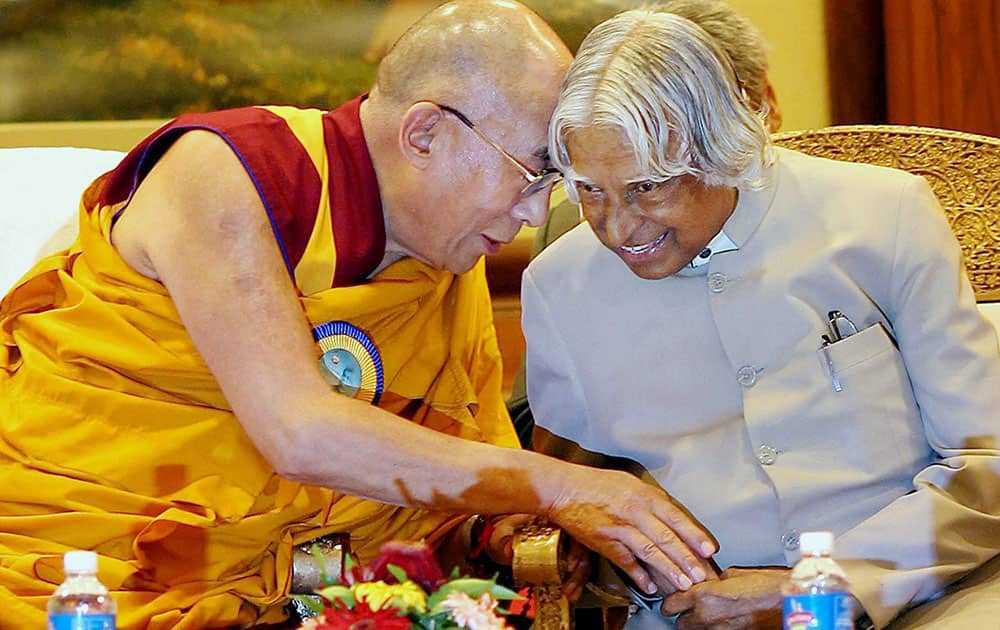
pixel 417 559
pixel 361 617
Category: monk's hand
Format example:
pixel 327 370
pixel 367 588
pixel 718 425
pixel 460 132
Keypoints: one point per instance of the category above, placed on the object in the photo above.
pixel 632 524
pixel 741 598
pixel 665 588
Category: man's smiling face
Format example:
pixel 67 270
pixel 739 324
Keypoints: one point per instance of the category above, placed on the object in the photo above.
pixel 655 227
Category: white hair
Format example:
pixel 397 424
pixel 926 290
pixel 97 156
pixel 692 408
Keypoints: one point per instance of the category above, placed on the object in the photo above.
pixel 667 84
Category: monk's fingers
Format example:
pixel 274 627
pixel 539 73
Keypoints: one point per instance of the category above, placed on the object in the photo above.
pixel 663 586
pixel 630 523
pixel 682 526
pixel 641 556
pixel 619 554
pixel 658 545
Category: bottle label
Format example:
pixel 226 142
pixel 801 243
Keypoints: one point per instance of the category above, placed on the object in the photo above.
pixel 70 621
pixel 828 611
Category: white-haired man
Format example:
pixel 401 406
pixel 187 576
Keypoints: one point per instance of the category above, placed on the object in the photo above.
pixel 784 343
pixel 745 46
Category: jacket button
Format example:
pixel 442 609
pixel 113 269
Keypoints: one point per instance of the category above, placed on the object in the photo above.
pixel 717 282
pixel 746 376
pixel 767 454
pixel 790 540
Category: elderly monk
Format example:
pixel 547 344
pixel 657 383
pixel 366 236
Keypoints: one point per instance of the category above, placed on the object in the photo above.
pixel 784 343
pixel 172 386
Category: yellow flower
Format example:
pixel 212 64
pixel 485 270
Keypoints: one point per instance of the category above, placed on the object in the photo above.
pixel 407 596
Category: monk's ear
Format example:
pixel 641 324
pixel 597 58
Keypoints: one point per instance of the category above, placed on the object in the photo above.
pixel 417 131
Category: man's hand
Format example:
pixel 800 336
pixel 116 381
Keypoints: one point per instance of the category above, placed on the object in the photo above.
pixel 579 562
pixel 500 546
pixel 632 524
pixel 741 598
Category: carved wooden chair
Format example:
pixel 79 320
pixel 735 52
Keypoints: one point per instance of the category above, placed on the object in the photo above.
pixel 964 172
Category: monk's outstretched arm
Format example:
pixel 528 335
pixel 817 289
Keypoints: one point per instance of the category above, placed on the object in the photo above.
pixel 197 225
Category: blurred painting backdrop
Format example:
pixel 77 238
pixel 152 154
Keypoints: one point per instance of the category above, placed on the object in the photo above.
pixel 123 59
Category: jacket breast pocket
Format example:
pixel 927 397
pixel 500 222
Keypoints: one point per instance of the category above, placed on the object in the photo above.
pixel 875 392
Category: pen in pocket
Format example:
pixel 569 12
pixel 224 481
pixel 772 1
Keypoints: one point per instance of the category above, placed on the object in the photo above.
pixel 825 349
pixel 840 327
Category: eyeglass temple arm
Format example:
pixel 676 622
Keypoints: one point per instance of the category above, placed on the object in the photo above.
pixel 527 172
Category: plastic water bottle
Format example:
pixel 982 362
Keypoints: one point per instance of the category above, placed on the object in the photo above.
pixel 817 596
pixel 81 602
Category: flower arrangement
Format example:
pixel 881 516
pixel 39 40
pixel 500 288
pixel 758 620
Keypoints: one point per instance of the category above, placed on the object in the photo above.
pixel 403 588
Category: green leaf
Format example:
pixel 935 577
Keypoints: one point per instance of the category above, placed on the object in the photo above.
pixel 338 591
pixel 439 621
pixel 473 587
pixel 317 554
pixel 397 572
pixel 477 586
pixel 314 605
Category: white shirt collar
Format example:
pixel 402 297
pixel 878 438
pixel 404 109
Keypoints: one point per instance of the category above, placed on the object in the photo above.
pixel 719 243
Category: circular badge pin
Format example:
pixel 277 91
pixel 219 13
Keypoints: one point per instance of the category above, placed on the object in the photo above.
pixel 350 360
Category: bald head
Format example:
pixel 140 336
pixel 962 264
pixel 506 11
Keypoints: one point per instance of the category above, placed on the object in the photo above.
pixel 465 47
pixel 450 195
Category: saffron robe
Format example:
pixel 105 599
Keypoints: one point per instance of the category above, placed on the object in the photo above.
pixel 115 437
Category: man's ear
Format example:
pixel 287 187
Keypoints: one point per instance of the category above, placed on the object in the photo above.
pixel 417 132
pixel 774 117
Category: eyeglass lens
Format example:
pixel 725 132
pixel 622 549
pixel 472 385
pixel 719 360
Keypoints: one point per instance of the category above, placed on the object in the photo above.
pixel 541 181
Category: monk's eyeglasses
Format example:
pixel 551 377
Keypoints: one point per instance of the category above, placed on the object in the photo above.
pixel 537 180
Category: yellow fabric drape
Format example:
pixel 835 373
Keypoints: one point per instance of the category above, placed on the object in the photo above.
pixel 116 437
